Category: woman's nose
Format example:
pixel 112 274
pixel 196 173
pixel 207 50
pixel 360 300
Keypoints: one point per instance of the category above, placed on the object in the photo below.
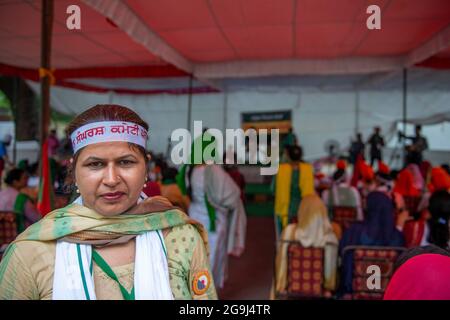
pixel 111 177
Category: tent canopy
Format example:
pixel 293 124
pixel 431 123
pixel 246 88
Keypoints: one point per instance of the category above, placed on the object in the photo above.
pixel 314 57
pixel 219 42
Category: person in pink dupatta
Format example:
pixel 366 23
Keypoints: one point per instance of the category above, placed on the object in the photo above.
pixel 423 277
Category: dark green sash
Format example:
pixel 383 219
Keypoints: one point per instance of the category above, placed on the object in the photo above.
pixel 19 210
pixel 107 269
pixel 168 181
pixel 211 214
pixel 181 182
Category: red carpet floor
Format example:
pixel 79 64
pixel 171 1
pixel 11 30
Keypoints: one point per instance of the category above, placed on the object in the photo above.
pixel 250 276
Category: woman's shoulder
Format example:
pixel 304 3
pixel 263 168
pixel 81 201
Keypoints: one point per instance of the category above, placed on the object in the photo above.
pixel 30 257
pixel 27 270
pixel 30 252
pixel 181 243
pixel 9 192
pixel 186 230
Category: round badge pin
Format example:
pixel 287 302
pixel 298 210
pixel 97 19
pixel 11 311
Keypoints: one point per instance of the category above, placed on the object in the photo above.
pixel 201 282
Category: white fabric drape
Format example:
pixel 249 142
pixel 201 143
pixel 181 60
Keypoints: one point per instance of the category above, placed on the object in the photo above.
pixel 316 116
pixel 74 280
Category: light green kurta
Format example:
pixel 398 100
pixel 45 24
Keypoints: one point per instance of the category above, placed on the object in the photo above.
pixel 28 271
pixel 27 268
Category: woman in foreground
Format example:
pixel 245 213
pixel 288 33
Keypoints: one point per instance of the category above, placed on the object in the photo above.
pixel 111 243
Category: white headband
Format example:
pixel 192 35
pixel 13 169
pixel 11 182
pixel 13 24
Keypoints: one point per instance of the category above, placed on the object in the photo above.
pixel 105 131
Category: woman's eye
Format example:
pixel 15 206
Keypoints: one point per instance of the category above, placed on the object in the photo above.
pixel 96 164
pixel 126 162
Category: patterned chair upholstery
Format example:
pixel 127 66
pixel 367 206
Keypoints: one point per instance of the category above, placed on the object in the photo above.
pixel 363 257
pixel 305 272
pixel 8 229
pixel 344 216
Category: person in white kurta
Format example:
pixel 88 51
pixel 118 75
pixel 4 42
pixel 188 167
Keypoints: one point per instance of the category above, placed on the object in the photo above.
pixel 213 193
pixel 342 193
pixel 217 239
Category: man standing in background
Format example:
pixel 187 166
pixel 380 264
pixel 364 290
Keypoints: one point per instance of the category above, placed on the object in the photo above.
pixel 376 142
pixel 356 148
pixel 418 146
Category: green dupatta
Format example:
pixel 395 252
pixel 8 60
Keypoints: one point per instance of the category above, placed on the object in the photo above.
pixel 76 218
pixel 198 145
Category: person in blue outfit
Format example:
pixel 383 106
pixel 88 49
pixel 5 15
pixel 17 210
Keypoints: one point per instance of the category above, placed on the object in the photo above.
pixel 377 229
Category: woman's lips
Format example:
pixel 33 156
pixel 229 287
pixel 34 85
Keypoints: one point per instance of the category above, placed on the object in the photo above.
pixel 112 196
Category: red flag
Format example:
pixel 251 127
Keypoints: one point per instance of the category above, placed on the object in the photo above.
pixel 45 200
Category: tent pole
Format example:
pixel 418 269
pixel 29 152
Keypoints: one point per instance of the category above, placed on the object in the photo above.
pixel 46 46
pixel 189 104
pixel 357 112
pixel 225 110
pixel 405 88
pixel 16 100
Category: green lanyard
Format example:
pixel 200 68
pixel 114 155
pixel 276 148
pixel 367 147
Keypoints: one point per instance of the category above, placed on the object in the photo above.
pixel 211 214
pixel 107 269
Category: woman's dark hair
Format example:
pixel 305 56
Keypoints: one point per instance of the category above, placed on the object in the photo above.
pixel 338 174
pixel 13 175
pixel 394 174
pixel 439 207
pixel 102 112
pixel 295 153
pixel 446 167
pixel 169 173
pixel 160 162
pixel 33 169
pixel 384 176
pixel 411 253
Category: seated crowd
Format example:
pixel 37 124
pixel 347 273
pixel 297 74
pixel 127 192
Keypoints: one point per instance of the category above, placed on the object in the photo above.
pixel 404 214
pixel 369 215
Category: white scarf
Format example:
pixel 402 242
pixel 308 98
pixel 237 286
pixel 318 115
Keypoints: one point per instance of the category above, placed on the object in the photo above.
pixel 74 280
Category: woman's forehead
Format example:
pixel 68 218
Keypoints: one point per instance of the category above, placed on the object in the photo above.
pixel 109 150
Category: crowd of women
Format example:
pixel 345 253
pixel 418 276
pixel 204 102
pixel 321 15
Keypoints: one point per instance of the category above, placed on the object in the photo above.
pixel 409 208
pixel 137 228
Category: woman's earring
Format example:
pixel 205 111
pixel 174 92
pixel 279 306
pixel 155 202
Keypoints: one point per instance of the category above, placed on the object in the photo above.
pixel 78 190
